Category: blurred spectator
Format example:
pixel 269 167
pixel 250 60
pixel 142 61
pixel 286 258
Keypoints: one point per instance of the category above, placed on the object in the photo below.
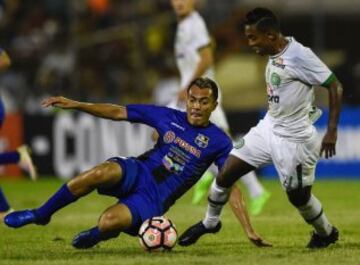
pixel 55 72
pixel 117 50
pixel 167 87
pixel 350 78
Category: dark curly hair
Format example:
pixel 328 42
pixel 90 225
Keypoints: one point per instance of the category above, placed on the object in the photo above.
pixel 263 18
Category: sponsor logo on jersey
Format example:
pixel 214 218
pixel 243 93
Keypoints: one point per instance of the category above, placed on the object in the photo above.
pixel 274 99
pixel 177 126
pixel 202 140
pixel 172 166
pixel 187 147
pixel 271 96
pixel 169 137
pixel 278 62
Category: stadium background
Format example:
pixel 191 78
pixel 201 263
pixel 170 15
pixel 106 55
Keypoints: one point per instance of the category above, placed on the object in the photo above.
pixel 122 52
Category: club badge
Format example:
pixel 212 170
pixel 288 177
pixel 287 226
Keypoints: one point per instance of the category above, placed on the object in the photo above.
pixel 202 140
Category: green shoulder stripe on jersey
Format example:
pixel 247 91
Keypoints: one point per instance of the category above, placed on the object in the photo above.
pixel 328 81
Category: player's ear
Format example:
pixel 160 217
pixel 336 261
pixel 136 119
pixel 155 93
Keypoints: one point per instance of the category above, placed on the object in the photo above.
pixel 271 35
pixel 214 105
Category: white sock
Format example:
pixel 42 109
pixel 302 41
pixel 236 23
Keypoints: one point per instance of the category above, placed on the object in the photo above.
pixel 313 214
pixel 213 169
pixel 218 196
pixel 252 184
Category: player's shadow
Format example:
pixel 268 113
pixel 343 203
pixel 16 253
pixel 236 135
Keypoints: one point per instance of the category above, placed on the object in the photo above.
pixel 217 247
pixel 133 252
pixel 350 245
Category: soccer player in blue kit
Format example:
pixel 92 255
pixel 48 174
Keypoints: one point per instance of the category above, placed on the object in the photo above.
pixel 20 156
pixel 148 185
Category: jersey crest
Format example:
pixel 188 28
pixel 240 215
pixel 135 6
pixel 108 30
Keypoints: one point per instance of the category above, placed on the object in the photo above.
pixel 275 79
pixel 202 140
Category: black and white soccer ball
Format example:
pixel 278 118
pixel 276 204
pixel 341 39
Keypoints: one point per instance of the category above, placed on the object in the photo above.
pixel 157 234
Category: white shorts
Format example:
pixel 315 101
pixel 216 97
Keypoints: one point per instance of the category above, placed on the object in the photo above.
pixel 295 162
pixel 217 116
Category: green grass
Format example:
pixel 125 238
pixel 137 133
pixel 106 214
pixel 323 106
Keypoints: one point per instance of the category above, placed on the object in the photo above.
pixel 279 223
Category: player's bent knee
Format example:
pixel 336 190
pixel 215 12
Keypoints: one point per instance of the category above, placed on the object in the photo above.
pixel 299 197
pixel 221 181
pixel 97 174
pixel 225 180
pixel 116 218
pixel 109 221
pixel 233 169
pixel 106 172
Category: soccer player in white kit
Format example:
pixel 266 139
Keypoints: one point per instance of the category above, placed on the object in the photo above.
pixel 194 58
pixel 286 136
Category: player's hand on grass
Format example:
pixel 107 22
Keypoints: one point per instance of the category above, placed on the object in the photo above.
pixel 59 102
pixel 258 241
pixel 328 143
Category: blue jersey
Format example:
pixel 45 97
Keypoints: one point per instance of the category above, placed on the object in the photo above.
pixel 2 112
pixel 182 153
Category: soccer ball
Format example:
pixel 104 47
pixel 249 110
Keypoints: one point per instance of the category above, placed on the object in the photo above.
pixel 158 233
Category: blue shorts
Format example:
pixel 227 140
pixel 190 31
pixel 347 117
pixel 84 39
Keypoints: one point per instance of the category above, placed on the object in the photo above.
pixel 137 190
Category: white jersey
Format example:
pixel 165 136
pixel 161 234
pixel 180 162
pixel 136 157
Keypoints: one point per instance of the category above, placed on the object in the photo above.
pixel 290 77
pixel 191 35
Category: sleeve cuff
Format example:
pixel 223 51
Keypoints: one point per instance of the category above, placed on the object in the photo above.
pixel 329 80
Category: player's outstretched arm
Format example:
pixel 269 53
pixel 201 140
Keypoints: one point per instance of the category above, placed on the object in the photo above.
pixel 103 110
pixel 329 141
pixel 238 207
pixel 206 61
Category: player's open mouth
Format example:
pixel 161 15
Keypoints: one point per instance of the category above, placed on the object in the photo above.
pixel 196 115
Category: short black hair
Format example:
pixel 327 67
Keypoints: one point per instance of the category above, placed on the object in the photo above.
pixel 204 82
pixel 263 18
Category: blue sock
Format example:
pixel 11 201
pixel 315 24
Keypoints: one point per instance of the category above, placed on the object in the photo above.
pixel 59 200
pixel 100 236
pixel 4 205
pixel 95 232
pixel 9 157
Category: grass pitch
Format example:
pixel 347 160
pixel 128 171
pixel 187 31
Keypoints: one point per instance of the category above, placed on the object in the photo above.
pixel 278 223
